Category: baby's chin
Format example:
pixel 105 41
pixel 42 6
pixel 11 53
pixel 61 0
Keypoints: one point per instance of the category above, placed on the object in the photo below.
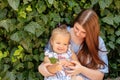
pixel 60 52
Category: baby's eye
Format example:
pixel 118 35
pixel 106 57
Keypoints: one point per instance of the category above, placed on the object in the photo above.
pixel 57 43
pixel 65 44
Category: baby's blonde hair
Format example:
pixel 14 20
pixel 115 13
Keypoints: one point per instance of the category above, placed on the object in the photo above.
pixel 62 29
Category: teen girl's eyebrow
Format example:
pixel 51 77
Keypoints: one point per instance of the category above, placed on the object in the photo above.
pixel 76 27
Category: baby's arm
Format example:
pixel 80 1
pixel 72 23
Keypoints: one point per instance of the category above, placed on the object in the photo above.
pixel 66 62
pixel 54 67
pixel 73 57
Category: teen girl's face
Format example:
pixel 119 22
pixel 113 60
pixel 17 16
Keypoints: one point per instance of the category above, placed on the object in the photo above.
pixel 79 31
pixel 60 43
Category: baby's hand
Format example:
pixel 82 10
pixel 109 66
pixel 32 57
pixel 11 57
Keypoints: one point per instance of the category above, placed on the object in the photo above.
pixel 70 64
pixel 54 68
pixel 57 67
pixel 65 62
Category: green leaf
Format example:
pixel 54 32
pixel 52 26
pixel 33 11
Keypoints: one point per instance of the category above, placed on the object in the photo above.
pixel 108 2
pixel 44 18
pixel 41 56
pixel 67 20
pixel 20 48
pixel 110 30
pixel 114 66
pixel 112 38
pixel 40 6
pixel 118 32
pixel 20 76
pixel 56 4
pixel 22 14
pixel 13 59
pixel 3 4
pixel 30 65
pixel 108 20
pixel 71 4
pixel 14 4
pixel 11 75
pixel 26 1
pixel 104 3
pixel 32 76
pixel 118 40
pixel 2 45
pixel 28 9
pixel 19 66
pixel 50 1
pixel 53 60
pixel 28 58
pixel 56 17
pixel 15 37
pixel 6 67
pixel 1 55
pixel 94 1
pixel 39 31
pixel 17 52
pixel 117 3
pixel 36 57
pixel 6 53
pixel 31 27
pixel 111 45
pixel 117 19
pixel 5 24
pixel 26 43
pixel 3 13
pixel 8 24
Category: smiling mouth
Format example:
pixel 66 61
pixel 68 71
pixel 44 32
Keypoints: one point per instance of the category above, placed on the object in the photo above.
pixel 60 49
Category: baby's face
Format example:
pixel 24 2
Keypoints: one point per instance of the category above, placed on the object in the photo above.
pixel 60 43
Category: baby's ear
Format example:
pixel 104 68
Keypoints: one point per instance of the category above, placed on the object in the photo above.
pixel 51 42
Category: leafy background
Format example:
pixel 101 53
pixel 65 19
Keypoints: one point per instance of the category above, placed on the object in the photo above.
pixel 25 27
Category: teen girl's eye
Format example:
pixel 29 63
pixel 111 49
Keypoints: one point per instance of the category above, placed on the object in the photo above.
pixel 83 32
pixel 76 28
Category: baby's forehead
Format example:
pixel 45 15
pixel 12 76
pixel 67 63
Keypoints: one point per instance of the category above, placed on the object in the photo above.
pixel 62 35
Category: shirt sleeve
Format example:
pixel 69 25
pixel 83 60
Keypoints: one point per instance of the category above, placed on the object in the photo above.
pixel 103 55
pixel 48 47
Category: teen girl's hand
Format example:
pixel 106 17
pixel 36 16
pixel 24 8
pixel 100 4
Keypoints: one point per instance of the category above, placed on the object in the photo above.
pixel 42 68
pixel 74 70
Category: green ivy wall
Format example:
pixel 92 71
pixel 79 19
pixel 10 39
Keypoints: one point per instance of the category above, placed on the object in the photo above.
pixel 25 27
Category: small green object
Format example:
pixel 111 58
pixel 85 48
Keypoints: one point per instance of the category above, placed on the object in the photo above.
pixel 53 60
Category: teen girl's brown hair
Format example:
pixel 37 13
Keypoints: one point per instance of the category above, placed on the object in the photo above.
pixel 88 19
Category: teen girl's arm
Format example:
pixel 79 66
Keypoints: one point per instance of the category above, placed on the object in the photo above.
pixel 42 68
pixel 53 68
pixel 88 73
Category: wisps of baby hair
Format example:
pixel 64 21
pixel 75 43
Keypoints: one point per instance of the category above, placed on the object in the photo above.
pixel 60 29
pixel 62 26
